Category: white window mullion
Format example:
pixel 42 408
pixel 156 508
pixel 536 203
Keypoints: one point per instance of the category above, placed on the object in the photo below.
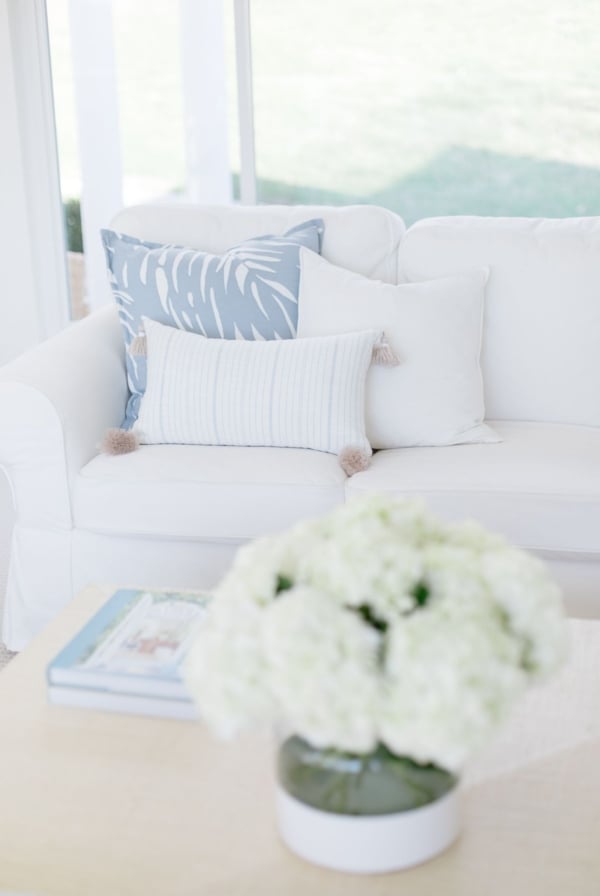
pixel 243 50
pixel 204 84
pixel 92 42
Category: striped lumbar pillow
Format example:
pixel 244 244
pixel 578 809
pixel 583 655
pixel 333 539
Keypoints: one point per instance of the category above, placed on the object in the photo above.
pixel 301 393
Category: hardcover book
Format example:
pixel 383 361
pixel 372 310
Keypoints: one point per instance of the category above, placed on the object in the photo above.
pixel 129 656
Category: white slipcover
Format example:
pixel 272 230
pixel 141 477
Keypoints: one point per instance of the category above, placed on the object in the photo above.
pixel 205 492
pixel 57 401
pixel 174 515
pixel 363 238
pixel 540 356
pixel 540 486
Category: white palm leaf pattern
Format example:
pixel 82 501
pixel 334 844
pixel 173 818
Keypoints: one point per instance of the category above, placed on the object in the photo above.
pixel 249 292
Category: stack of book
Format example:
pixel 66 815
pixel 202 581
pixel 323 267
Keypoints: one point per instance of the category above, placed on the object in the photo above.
pixel 129 656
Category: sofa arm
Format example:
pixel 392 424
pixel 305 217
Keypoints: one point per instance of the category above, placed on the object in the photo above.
pixel 56 401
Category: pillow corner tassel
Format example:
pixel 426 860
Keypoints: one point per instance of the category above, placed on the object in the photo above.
pixel 119 441
pixel 354 460
pixel 384 354
pixel 138 347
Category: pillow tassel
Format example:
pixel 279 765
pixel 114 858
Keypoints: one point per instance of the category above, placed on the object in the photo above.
pixel 139 347
pixel 354 460
pixel 119 441
pixel 384 354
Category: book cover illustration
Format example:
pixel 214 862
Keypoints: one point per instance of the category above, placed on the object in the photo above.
pixel 138 636
pixel 153 637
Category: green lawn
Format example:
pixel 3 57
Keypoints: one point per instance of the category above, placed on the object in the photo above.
pixel 435 107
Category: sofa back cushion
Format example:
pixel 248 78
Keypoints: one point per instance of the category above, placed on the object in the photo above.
pixel 541 342
pixel 362 238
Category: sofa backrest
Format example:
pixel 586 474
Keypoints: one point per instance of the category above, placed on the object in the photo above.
pixel 541 345
pixel 363 238
pixel 541 342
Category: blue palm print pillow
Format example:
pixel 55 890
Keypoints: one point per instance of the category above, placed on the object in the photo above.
pixel 249 292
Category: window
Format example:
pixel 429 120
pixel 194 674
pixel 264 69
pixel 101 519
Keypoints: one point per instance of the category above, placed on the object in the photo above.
pixel 429 108
pixel 143 114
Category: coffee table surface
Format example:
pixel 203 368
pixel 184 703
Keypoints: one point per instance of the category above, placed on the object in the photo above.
pixel 94 803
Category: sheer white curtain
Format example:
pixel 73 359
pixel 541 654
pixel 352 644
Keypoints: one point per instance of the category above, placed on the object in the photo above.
pixel 33 294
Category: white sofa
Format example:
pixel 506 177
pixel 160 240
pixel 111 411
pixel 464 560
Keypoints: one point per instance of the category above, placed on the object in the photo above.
pixel 174 515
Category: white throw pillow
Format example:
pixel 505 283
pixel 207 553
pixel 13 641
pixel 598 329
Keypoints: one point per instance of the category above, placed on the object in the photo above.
pixel 435 394
pixel 307 393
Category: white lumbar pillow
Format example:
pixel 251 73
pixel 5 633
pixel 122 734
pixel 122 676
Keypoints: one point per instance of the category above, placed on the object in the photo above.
pixel 287 393
pixel 434 396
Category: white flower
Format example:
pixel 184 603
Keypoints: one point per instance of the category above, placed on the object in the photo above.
pixel 521 587
pixel 322 665
pixel 453 673
pixel 255 572
pixel 225 670
pixel 474 537
pixel 376 622
pixel 358 567
pixel 453 573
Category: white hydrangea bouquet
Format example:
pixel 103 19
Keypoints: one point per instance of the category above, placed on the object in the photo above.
pixel 380 635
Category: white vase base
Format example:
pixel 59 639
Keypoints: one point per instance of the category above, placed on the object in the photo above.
pixel 368 844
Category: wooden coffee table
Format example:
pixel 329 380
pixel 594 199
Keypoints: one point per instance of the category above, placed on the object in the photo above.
pixel 93 803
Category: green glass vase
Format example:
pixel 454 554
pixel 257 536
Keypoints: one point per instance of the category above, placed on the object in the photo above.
pixel 376 783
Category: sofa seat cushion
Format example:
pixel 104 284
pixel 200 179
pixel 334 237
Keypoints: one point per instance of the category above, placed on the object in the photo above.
pixel 540 486
pixel 205 492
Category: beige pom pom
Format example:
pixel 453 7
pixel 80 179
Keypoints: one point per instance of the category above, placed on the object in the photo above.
pixel 119 441
pixel 353 460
